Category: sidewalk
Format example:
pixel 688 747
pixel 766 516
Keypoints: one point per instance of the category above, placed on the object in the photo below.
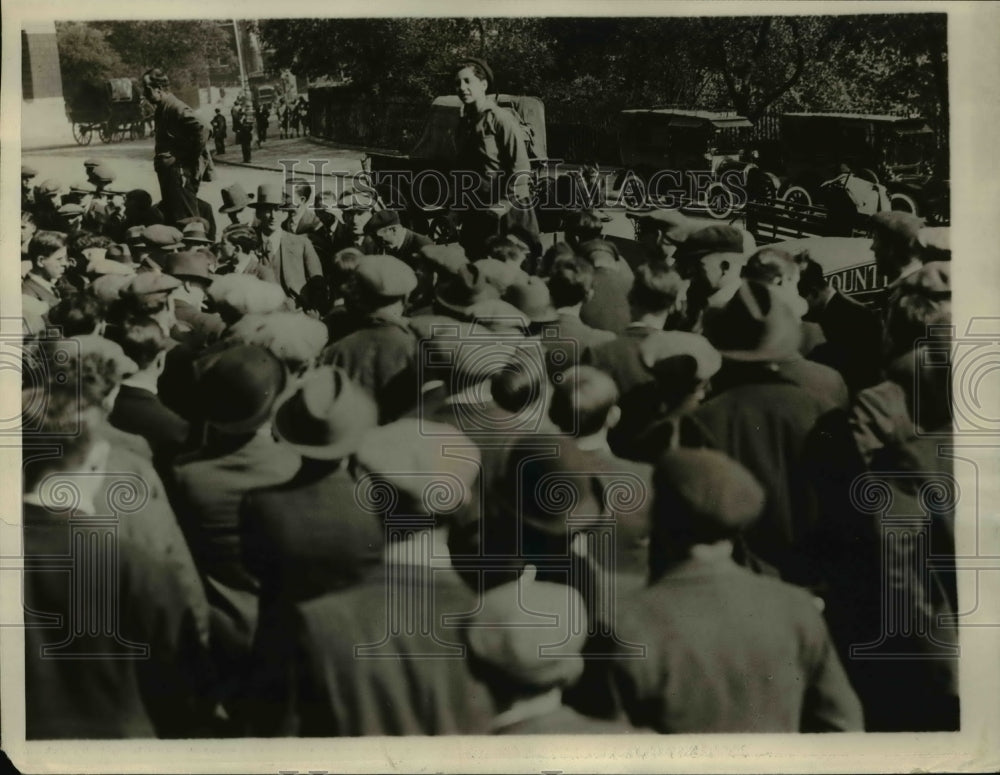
pixel 339 160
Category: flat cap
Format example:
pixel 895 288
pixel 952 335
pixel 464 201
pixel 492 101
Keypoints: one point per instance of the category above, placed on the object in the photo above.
pixel 27 171
pixel 385 276
pixel 246 293
pixel 69 210
pixel 91 162
pixel 531 632
pixel 103 173
pixel 163 237
pixel 445 258
pixel 704 496
pixel 108 288
pixel 146 283
pixel 294 337
pixel 673 223
pixel 932 280
pixel 662 345
pixel 904 225
pixel 412 456
pixel 49 187
pixel 82 187
pixel 711 239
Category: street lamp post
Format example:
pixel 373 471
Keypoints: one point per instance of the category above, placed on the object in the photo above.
pixel 239 55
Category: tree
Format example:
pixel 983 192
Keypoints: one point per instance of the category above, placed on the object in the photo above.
pixel 85 58
pixel 184 49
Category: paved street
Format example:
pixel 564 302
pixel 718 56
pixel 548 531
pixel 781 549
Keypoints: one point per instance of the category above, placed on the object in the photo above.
pixel 133 163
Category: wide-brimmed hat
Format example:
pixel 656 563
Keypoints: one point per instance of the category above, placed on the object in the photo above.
pixel 271 195
pixel 380 220
pixel 234 198
pixel 238 387
pixel 757 324
pixel 162 237
pixel 327 416
pixel 662 346
pixel 189 265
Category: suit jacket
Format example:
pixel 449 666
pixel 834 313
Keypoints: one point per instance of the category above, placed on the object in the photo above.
pixel 381 357
pixel 822 382
pixel 295 263
pixel 415 681
pixel 164 691
pixel 608 307
pixel 761 662
pixel 853 344
pixel 141 412
pixel 180 132
pixel 33 288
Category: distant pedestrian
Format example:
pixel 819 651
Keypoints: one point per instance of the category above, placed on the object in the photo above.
pixel 219 131
pixel 245 136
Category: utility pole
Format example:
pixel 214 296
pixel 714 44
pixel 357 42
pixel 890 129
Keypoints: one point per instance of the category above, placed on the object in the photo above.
pixel 244 86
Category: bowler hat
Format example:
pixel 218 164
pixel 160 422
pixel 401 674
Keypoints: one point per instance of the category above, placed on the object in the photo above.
pixel 466 288
pixel 327 416
pixel 195 232
pixel 531 633
pixel 271 195
pixel 385 276
pixel 189 265
pixel 234 199
pixel 711 239
pixel 238 387
pixel 533 299
pixel 381 220
pixel 757 324
pixel 703 496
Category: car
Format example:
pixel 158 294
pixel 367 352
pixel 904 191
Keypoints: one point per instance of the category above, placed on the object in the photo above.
pixel 816 151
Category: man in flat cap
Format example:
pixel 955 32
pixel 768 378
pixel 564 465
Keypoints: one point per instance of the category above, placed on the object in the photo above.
pixel 712 260
pixel 382 355
pixel 291 257
pixel 660 232
pixel 766 663
pixel 180 147
pixel 394 239
pixel 28 173
pixel 362 670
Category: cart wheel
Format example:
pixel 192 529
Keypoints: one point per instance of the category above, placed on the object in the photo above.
pixel 796 195
pixel 442 230
pixel 82 133
pixel 107 132
pixel 904 203
pixel 139 129
pixel 719 201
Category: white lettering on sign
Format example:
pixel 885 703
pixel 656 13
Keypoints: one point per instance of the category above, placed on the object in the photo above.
pixel 858 279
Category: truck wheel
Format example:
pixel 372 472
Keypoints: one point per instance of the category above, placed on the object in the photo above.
pixel 796 195
pixel 904 203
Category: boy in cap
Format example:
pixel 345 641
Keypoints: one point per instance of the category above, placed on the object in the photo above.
pixel 763 661
pixel 382 354
pixel 362 670
pixel 357 208
pixel 660 232
pixel 525 642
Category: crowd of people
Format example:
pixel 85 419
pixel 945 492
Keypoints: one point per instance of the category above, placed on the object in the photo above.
pixel 384 486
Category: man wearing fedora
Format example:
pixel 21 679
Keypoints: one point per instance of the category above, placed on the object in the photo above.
pixel 181 155
pixel 291 257
pixel 381 355
pixel 238 388
pixel 234 201
pixel 194 325
pixel 769 423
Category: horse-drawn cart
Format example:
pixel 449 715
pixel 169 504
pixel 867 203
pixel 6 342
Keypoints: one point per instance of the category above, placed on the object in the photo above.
pixel 114 109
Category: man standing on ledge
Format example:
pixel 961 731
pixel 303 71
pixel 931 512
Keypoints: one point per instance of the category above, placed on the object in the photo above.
pixel 181 156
